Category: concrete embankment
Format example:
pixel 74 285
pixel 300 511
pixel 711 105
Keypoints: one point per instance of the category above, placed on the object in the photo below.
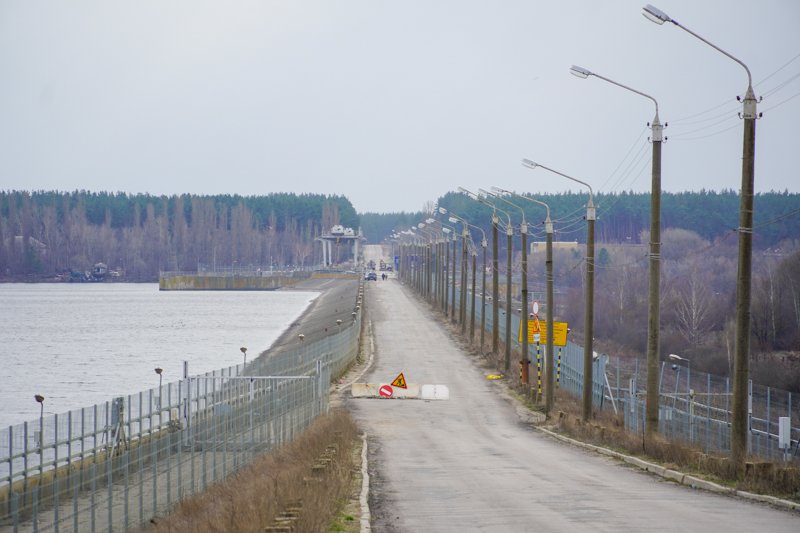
pixel 184 281
pixel 337 301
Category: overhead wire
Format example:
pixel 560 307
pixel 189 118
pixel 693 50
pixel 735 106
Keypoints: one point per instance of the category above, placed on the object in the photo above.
pixel 728 102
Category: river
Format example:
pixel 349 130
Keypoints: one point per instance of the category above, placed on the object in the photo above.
pixel 81 344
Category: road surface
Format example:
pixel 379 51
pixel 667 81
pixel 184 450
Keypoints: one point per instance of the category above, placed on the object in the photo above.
pixel 470 464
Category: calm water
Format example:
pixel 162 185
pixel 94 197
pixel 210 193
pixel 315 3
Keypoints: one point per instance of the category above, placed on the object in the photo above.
pixel 81 344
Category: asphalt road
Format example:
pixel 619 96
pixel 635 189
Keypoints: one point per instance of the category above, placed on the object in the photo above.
pixel 470 464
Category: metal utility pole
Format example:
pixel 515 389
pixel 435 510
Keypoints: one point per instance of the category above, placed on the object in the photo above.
pixel 741 372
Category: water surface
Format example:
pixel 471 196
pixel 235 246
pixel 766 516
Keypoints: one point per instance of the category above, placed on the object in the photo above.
pixel 80 344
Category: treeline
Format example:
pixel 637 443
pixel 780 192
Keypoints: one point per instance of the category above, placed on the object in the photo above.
pixel 46 232
pixel 623 217
pixel 378 226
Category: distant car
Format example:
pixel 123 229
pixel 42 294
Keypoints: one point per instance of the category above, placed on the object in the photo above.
pixel 371 276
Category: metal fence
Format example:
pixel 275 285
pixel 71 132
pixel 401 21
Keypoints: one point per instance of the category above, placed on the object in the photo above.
pixel 116 465
pixel 694 407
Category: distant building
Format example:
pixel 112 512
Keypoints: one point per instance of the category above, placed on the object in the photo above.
pixel 541 246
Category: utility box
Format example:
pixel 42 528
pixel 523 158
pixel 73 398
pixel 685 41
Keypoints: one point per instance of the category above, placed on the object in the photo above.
pixel 784 432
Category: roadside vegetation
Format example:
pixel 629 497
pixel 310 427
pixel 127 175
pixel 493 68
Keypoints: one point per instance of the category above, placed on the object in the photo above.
pixel 305 485
pixel 774 479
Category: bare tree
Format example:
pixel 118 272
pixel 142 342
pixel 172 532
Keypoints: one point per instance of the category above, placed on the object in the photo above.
pixel 692 308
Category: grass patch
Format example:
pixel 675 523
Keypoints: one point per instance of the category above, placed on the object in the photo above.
pixel 313 473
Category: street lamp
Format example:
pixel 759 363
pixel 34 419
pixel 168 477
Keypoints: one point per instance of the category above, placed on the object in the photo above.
pixel 243 349
pixel 653 299
pixel 484 244
pixel 159 371
pixel 742 345
pixel 462 307
pixel 675 357
pixel 495 289
pixel 591 215
pixel 549 379
pixel 523 229
pixel 40 399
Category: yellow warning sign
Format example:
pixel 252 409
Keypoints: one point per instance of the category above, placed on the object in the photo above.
pixel 400 382
pixel 538 328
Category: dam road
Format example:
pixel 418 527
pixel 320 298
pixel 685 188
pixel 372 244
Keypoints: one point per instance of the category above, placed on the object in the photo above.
pixel 474 463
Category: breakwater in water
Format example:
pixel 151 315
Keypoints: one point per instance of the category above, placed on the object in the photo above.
pixel 233 281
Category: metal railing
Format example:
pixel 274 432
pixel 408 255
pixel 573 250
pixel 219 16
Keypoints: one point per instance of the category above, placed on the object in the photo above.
pixel 116 465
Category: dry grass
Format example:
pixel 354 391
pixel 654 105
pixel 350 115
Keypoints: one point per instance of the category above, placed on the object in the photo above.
pixel 607 430
pixel 251 499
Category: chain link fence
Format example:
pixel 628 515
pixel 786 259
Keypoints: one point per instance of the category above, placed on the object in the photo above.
pixel 694 407
pixel 116 465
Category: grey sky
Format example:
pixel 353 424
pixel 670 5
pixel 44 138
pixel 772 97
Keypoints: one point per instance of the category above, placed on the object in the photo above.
pixel 390 103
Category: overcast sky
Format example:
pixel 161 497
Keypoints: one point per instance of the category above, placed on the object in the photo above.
pixel 390 103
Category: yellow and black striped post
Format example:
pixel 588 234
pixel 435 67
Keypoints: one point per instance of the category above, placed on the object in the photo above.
pixel 538 370
pixel 558 369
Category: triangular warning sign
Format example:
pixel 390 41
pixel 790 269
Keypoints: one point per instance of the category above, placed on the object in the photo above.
pixel 400 382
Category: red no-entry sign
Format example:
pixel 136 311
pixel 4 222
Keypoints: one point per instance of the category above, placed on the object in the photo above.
pixel 386 391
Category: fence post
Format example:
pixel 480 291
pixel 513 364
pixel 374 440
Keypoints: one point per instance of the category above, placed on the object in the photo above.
pixel 319 387
pixel 187 405
pixel 749 415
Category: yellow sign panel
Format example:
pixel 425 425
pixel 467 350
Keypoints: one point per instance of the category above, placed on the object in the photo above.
pixel 537 332
pixel 400 382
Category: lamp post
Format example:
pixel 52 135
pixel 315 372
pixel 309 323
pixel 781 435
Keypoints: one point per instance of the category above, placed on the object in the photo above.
pixel 676 357
pixel 495 289
pixel 243 349
pixel 484 244
pixel 549 378
pixel 40 400
pixel 742 345
pixel 591 215
pixel 462 307
pixel 509 254
pixel 523 229
pixel 159 371
pixel 495 275
pixel 653 299
pixel 445 269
